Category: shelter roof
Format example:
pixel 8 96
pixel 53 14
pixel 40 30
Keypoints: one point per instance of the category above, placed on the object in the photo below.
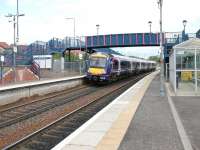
pixel 189 44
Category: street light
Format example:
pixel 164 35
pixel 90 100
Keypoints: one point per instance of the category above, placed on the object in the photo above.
pixel 184 24
pixel 162 93
pixel 97 28
pixel 150 25
pixel 74 28
pixel 183 33
pixel 16 40
pixel 14 44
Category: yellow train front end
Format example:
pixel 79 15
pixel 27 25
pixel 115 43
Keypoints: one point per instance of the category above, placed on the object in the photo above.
pixel 98 67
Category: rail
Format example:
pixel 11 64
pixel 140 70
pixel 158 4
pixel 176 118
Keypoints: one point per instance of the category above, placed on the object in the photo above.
pixel 65 125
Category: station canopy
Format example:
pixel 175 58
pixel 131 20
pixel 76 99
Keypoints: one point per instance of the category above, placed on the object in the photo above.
pixel 190 44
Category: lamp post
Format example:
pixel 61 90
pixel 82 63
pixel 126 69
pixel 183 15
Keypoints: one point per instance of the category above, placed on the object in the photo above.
pixel 97 26
pixel 14 44
pixel 183 33
pixel 16 39
pixel 74 28
pixel 150 25
pixel 162 93
pixel 184 24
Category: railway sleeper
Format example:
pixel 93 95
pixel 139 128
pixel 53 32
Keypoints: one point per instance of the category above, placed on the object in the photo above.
pixel 62 134
pixel 39 145
pixel 66 128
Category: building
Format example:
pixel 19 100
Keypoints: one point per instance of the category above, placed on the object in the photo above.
pixel 55 45
pixel 184 68
pixel 38 48
pixel 4 45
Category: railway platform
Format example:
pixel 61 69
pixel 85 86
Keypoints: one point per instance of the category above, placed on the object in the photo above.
pixel 12 93
pixel 140 119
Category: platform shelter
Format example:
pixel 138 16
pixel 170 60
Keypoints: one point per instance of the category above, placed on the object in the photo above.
pixel 185 67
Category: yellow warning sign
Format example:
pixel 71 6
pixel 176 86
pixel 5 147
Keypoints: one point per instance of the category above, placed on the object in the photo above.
pixel 186 75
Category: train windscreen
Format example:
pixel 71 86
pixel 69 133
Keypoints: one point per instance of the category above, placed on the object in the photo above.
pixel 98 62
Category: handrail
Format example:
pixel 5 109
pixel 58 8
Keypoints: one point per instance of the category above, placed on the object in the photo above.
pixel 35 68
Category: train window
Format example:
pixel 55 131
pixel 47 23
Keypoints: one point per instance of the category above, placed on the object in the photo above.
pixel 137 65
pixel 129 65
pixel 115 64
pixel 125 65
pixel 143 65
pixel 97 62
pixel 134 65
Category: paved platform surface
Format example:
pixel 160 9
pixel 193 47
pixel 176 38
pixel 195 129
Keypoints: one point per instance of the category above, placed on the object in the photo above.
pixel 189 112
pixel 107 128
pixel 140 119
pixel 153 126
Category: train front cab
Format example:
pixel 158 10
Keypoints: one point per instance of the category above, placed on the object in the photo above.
pixel 99 68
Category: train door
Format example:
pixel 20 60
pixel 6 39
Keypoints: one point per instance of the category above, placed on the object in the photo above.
pixel 115 67
pixel 134 67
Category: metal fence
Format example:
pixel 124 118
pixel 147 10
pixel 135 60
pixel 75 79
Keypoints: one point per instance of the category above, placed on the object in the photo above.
pixel 22 74
pixel 67 69
pixel 77 68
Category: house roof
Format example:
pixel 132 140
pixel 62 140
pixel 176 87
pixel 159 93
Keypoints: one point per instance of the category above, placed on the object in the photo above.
pixel 1 50
pixel 189 44
pixel 4 45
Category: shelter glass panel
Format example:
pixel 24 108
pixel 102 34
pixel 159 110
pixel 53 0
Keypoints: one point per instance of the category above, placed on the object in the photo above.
pixel 198 59
pixel 198 81
pixel 185 81
pixel 185 59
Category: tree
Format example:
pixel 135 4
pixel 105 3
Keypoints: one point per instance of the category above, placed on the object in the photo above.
pixel 154 58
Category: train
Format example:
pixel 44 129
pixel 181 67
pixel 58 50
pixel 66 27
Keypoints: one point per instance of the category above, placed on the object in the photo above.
pixel 103 67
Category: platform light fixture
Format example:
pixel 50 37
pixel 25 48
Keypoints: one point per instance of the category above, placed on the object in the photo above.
pixel 97 26
pixel 72 18
pixel 184 24
pixel 150 22
pixel 15 21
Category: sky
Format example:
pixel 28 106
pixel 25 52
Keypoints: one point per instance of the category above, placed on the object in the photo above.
pixel 45 19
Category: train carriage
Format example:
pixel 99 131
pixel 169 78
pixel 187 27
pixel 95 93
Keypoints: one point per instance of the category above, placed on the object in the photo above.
pixel 110 67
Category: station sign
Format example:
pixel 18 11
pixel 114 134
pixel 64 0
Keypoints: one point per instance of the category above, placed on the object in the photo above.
pixel 2 58
pixel 15 49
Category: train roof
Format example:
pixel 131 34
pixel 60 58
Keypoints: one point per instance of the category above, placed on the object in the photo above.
pixel 132 59
pixel 120 57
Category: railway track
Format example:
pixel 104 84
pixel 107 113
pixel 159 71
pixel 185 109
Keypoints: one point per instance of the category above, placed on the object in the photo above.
pixel 52 134
pixel 19 113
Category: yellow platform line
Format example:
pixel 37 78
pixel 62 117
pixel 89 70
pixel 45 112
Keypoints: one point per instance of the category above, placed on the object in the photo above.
pixel 114 136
